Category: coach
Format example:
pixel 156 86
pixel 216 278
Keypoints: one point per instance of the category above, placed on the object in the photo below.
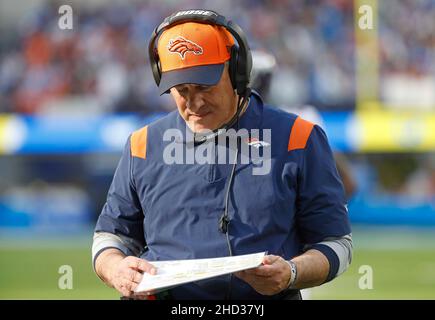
pixel 162 210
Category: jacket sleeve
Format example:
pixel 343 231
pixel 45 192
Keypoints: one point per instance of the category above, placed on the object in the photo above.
pixel 122 214
pixel 321 205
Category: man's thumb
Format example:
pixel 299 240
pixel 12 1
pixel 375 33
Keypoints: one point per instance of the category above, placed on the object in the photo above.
pixel 270 259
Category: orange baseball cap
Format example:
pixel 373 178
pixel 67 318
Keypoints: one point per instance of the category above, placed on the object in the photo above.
pixel 193 52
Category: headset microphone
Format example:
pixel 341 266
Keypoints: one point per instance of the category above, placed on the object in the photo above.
pixel 241 105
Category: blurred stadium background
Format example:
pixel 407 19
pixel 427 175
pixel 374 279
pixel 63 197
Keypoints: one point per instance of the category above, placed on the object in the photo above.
pixel 69 99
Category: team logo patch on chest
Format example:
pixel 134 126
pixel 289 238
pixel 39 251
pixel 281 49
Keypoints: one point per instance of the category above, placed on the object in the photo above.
pixel 254 142
pixel 182 46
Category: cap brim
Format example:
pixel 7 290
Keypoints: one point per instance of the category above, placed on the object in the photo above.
pixel 208 75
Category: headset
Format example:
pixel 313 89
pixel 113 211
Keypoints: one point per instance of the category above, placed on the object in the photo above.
pixel 240 60
pixel 240 66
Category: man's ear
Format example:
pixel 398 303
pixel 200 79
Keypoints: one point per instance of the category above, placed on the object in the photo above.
pixel 174 93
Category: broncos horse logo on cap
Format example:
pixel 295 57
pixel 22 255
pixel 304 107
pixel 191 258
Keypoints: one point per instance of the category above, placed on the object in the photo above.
pixel 181 46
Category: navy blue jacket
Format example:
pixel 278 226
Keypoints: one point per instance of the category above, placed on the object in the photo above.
pixel 173 210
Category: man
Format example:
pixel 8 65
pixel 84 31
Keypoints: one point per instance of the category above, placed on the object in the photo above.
pixel 163 206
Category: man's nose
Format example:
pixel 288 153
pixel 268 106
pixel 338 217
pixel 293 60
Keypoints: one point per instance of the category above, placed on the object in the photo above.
pixel 195 102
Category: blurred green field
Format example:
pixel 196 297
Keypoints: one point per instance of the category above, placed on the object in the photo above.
pixel 33 274
pixel 403 268
pixel 405 274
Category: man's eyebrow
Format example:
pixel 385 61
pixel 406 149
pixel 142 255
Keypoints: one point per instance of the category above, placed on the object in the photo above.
pixel 181 87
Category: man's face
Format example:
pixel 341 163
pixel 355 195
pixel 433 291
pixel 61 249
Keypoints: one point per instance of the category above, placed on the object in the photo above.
pixel 206 107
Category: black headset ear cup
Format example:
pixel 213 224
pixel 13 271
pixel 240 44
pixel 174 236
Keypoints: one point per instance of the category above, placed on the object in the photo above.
pixel 234 61
pixel 159 68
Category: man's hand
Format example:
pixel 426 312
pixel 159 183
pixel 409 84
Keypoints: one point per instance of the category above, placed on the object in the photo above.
pixel 127 274
pixel 273 276
pixel 122 272
pixel 270 278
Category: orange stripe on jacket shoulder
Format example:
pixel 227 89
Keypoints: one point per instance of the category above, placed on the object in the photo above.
pixel 299 134
pixel 138 143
